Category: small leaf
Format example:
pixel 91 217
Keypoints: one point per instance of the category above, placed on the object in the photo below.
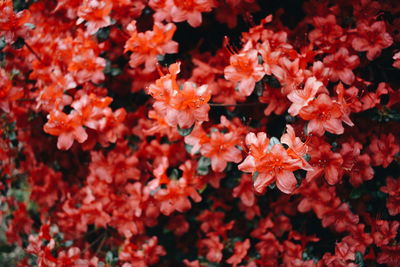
pixel 255 174
pixel 30 26
pixel 203 166
pixel 115 71
pixel 359 259
pixel 102 34
pixel 109 257
pixel 273 141
pixel 185 131
pixel 19 43
pixel 2 42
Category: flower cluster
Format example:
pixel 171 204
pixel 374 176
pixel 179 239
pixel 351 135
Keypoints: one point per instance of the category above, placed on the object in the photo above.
pixel 199 133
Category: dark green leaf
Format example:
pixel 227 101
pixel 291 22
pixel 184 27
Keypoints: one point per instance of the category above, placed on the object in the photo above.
pixel 185 131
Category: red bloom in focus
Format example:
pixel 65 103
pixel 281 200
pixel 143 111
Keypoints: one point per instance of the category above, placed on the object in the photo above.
pixel 180 106
pixel 67 127
pixel 244 68
pixel 301 98
pixel 271 162
pixel 221 149
pixel 323 115
pixel 145 47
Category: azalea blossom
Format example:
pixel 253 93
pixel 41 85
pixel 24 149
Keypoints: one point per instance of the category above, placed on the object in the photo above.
pixel 301 98
pixel 221 149
pixel 341 66
pixel 270 163
pixel 244 68
pixel 372 39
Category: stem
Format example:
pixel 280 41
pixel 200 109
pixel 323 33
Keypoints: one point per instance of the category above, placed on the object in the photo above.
pixel 33 52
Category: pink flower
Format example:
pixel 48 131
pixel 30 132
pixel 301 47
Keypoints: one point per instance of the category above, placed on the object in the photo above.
pixel 324 115
pixel 301 98
pixel 341 66
pixel 244 68
pixel 372 39
pixel 221 150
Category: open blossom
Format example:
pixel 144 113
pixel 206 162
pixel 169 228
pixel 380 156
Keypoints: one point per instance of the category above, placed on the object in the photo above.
pixel 240 251
pixel 326 30
pixel 296 148
pixel 323 115
pixel 180 106
pixel 384 149
pixel 95 13
pixel 372 39
pixel 67 127
pixel 181 10
pixel 221 149
pixel 326 162
pixel 244 68
pixel 392 188
pixel 357 166
pixel 271 162
pixel 301 98
pixel 341 66
pixel 11 23
pixel 146 46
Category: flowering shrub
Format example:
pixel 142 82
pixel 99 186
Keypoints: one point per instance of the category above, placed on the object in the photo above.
pixel 199 133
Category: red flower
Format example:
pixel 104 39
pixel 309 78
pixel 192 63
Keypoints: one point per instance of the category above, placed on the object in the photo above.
pixel 11 24
pixel 221 149
pixel 371 38
pixel 326 162
pixel 301 98
pixel 145 47
pixel 96 13
pixel 271 164
pixel 244 68
pixel 240 251
pixel 341 66
pixel 384 149
pixel 67 127
pixel 180 106
pixel 212 246
pixel 326 31
pixel 393 189
pixel 245 190
pixel 323 115
pixel 390 255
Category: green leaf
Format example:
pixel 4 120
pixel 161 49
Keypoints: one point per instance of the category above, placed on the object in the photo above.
pixel 359 259
pixel 19 43
pixel 30 26
pixel 203 166
pixel 102 34
pixel 2 42
pixel 185 131
pixel 255 174
pixel 109 257
pixel 115 71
